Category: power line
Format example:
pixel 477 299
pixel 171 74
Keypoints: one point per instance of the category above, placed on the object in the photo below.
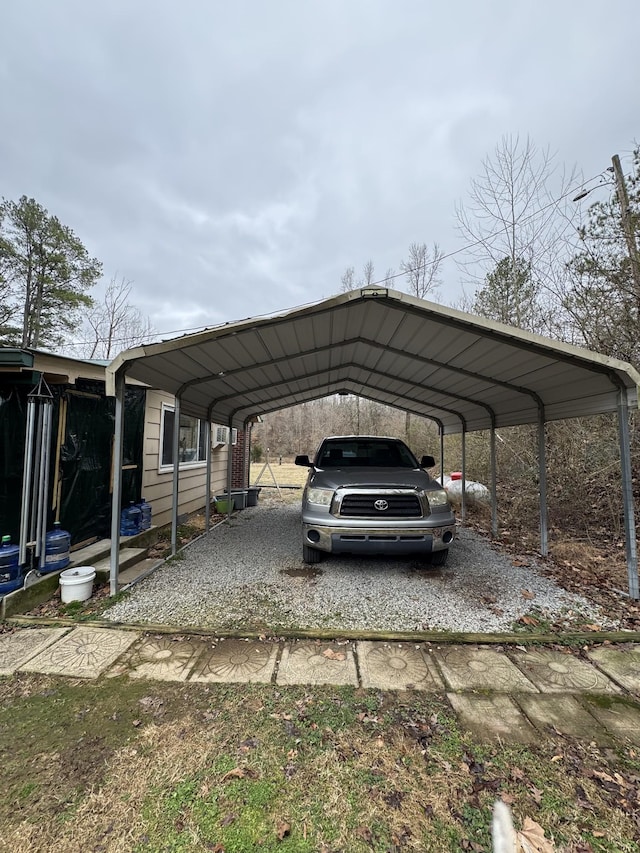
pixel 494 234
pixel 465 248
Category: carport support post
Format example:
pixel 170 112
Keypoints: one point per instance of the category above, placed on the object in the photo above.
pixel 464 474
pixel 627 495
pixel 442 456
pixel 542 484
pixel 229 469
pixel 492 481
pixel 176 476
pixel 116 493
pixel 207 486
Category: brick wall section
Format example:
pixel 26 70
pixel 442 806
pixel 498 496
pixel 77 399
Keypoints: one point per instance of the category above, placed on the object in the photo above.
pixel 240 460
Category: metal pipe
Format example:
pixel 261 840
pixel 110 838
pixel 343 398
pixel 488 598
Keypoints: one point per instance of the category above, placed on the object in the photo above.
pixel 207 505
pixel 35 490
pixel 627 494
pixel 229 469
pixel 116 494
pixel 493 481
pixel 464 474
pixel 176 477
pixel 442 456
pixel 41 513
pixel 542 484
pixel 27 476
pixel 46 440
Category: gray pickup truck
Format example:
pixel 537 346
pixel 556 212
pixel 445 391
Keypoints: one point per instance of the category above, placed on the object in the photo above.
pixel 370 495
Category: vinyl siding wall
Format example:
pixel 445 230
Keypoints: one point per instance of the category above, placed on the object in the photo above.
pixel 157 486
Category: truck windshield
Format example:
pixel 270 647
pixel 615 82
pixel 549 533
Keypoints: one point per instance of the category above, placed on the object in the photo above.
pixel 365 453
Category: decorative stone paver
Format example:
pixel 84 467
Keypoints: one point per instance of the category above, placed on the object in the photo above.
pixel 494 717
pixel 480 668
pixel 550 690
pixel 623 665
pixel 164 658
pixel 564 714
pixel 237 660
pixel 396 666
pixel 561 672
pixel 317 663
pixel 618 716
pixel 16 649
pixel 84 653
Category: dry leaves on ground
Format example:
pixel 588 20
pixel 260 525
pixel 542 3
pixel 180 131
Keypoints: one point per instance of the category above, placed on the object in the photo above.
pixel 531 839
pixel 331 655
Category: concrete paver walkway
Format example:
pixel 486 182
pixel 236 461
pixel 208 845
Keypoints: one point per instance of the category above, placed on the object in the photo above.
pixel 512 694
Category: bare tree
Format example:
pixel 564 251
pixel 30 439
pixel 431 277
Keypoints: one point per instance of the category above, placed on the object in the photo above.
pixel 518 209
pixel 368 274
pixel 115 324
pixel 347 280
pixel 421 269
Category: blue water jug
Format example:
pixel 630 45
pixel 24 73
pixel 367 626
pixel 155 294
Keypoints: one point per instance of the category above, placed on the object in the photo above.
pixel 145 514
pixel 10 573
pixel 130 520
pixel 57 549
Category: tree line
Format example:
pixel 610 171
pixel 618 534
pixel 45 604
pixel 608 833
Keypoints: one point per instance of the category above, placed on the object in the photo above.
pixel 538 257
pixel 46 277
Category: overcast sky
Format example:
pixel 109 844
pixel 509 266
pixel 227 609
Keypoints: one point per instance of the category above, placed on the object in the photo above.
pixel 232 158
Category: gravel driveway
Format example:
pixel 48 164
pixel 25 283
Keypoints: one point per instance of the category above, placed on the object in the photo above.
pixel 249 574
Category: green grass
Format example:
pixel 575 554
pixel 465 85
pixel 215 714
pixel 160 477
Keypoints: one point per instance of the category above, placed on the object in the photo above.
pixel 128 764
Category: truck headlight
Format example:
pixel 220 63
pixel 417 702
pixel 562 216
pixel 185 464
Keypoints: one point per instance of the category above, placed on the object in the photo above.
pixel 321 497
pixel 438 497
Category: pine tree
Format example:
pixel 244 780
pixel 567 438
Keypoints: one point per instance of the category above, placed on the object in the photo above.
pixel 45 273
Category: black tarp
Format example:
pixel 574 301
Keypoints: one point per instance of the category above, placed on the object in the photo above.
pixel 85 475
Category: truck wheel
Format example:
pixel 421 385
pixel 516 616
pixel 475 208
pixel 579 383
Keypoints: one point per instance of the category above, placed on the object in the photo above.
pixel 439 558
pixel 310 555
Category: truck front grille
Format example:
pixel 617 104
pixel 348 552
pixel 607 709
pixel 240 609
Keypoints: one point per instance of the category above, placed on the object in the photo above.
pixel 356 505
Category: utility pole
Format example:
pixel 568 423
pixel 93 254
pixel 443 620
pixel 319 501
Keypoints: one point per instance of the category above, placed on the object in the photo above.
pixel 627 226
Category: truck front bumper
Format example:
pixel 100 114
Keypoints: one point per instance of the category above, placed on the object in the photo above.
pixel 362 540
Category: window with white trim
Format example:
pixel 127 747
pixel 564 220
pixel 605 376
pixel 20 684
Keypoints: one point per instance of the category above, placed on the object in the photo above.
pixel 192 449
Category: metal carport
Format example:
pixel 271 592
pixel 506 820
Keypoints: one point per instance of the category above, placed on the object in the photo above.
pixel 464 372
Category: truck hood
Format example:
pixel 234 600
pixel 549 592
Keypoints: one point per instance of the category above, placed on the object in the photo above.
pixel 370 478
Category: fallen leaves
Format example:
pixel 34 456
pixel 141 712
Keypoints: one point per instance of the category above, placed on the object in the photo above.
pixel 236 773
pixel 331 655
pixel 283 830
pixel 239 773
pixel 531 839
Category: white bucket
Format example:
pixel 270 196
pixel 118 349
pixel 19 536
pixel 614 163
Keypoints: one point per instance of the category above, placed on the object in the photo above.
pixel 77 584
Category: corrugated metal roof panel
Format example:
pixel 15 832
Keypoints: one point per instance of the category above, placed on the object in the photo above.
pixel 384 345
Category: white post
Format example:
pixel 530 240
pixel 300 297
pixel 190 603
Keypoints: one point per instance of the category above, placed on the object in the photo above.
pixel 207 505
pixel 627 495
pixel 464 473
pixel 542 484
pixel 176 476
pixel 116 495
pixel 492 484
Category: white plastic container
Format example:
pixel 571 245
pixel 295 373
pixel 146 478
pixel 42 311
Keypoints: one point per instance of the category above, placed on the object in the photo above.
pixel 77 584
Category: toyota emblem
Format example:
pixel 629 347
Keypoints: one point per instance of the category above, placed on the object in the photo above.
pixel 381 505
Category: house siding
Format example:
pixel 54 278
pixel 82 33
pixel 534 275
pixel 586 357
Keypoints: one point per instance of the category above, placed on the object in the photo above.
pixel 157 486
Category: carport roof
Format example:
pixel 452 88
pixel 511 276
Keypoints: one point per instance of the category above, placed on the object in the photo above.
pixel 462 371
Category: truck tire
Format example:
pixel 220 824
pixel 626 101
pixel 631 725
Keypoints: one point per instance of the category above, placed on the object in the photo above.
pixel 310 555
pixel 439 558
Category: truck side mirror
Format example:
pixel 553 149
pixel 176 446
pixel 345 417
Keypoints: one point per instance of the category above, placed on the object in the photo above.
pixel 427 462
pixel 303 460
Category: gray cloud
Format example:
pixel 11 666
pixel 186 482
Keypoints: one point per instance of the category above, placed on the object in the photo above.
pixel 233 159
